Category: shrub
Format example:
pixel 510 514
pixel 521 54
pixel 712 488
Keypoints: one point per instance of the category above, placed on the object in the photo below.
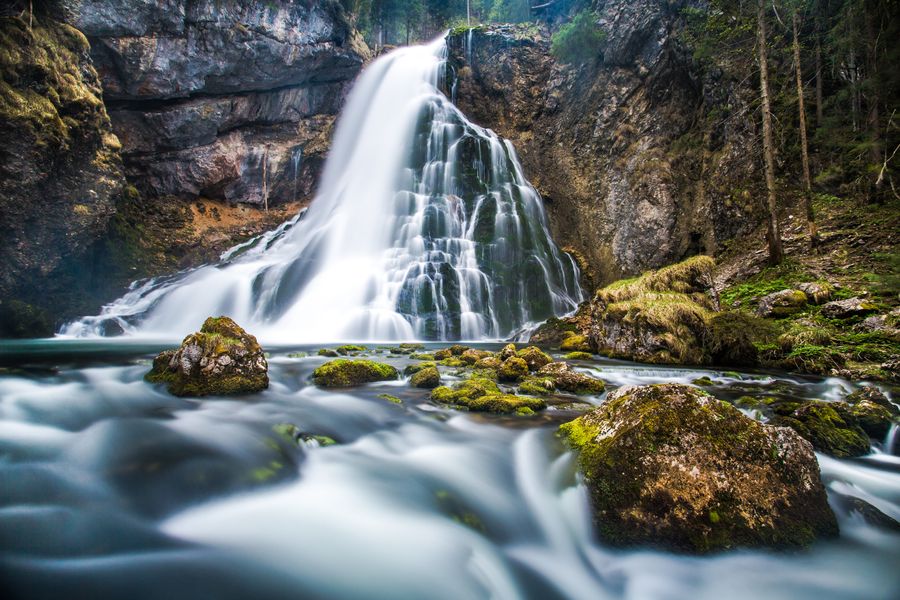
pixel 579 41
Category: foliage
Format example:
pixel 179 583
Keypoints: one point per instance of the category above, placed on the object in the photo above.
pixel 580 41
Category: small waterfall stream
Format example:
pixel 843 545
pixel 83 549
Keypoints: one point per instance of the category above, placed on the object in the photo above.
pixel 424 228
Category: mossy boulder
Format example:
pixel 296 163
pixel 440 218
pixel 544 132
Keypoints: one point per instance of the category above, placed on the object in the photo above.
pixel 671 466
pixel 817 292
pixel 348 349
pixel 472 356
pixel 575 342
pixel 347 373
pixel 661 317
pixel 415 368
pixel 567 379
pixel 874 395
pixel 483 395
pixel 328 352
pixel 489 362
pixel 508 351
pixel 554 331
pixel 829 427
pixel 427 378
pixel 579 356
pixel 872 418
pixel 537 386
pixel 512 369
pixel 534 358
pixel 220 359
pixel 781 304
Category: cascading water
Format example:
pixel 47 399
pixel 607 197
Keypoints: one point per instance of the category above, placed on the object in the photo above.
pixel 424 228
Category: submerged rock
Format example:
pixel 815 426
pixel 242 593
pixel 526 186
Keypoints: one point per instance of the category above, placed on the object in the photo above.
pixel 347 373
pixel 220 359
pixel 671 466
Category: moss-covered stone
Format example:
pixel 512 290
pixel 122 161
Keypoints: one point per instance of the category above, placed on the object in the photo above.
pixel 328 352
pixel 828 426
pixel 537 386
pixel 512 369
pixel 567 379
pixel 390 398
pixel 668 465
pixel 483 395
pixel 702 381
pixel 534 358
pixel 575 343
pixel 874 395
pixel 579 356
pixel 508 351
pixel 220 359
pixel 872 418
pixel 489 362
pixel 426 378
pixel 781 304
pixel 422 356
pixel 415 368
pixel 347 373
pixel 348 349
pixel 472 356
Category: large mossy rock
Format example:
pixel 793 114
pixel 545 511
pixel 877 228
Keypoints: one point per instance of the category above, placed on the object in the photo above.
pixel 348 373
pixel 660 317
pixel 483 395
pixel 671 466
pixel 830 427
pixel 219 359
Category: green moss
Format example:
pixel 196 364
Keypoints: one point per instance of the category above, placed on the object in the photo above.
pixel 426 378
pixel 390 398
pixel 524 411
pixel 829 427
pixel 453 361
pixel 413 369
pixel 537 386
pixel 417 356
pixel 327 352
pixel 512 369
pixel 350 349
pixel 703 381
pixel 483 395
pixel 346 373
pixel 534 357
pixel 579 356
pixel 297 355
pixel 575 342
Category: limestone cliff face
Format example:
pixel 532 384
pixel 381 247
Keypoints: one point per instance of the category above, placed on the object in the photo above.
pixel 60 172
pixel 637 156
pixel 223 99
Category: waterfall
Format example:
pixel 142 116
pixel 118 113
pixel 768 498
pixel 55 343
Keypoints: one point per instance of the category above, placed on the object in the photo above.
pixel 424 227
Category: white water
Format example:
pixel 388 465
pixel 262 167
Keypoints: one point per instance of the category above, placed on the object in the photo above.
pixel 424 228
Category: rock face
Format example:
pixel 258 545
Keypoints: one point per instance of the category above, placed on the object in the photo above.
pixel 633 173
pixel 60 174
pixel 670 466
pixel 220 359
pixel 223 99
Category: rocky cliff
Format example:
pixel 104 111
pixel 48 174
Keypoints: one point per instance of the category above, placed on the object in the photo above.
pixel 640 159
pixel 223 99
pixel 60 172
pixel 213 110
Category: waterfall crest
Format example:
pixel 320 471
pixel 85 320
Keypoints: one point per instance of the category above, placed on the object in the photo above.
pixel 424 227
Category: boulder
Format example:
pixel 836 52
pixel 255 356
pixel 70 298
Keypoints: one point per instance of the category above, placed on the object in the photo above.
pixel 575 342
pixel 534 358
pixel 483 395
pixel 566 379
pixel 851 307
pixel 512 369
pixel 829 427
pixel 508 351
pixel 347 373
pixel 427 378
pixel 671 466
pixel 781 304
pixel 220 359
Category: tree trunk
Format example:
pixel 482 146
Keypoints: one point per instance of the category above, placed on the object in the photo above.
pixel 818 82
pixel 804 148
pixel 773 234
pixel 873 120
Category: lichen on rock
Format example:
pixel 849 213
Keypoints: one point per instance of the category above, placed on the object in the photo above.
pixel 671 466
pixel 220 359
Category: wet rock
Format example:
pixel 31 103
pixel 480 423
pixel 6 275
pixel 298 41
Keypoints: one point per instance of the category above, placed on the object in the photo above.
pixel 512 369
pixel 220 359
pixel 483 395
pixel 415 368
pixel 348 349
pixel 845 309
pixel 472 356
pixel 829 427
pixel 671 466
pixel 873 395
pixel 489 362
pixel 579 356
pixel 781 304
pixel 575 342
pixel 534 358
pixel 816 292
pixel 508 351
pixel 552 333
pixel 347 373
pixel 427 378
pixel 566 379
pixel 872 418
pixel 328 352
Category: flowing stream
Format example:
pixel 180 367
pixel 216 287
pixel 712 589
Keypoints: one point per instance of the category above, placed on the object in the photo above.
pixel 110 487
pixel 424 228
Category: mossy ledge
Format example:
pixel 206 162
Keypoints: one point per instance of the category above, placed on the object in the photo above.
pixel 673 467
pixel 348 373
pixel 220 359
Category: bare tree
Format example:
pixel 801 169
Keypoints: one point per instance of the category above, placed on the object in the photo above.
pixel 773 233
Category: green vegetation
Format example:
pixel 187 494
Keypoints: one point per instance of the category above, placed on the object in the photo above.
pixel 579 41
